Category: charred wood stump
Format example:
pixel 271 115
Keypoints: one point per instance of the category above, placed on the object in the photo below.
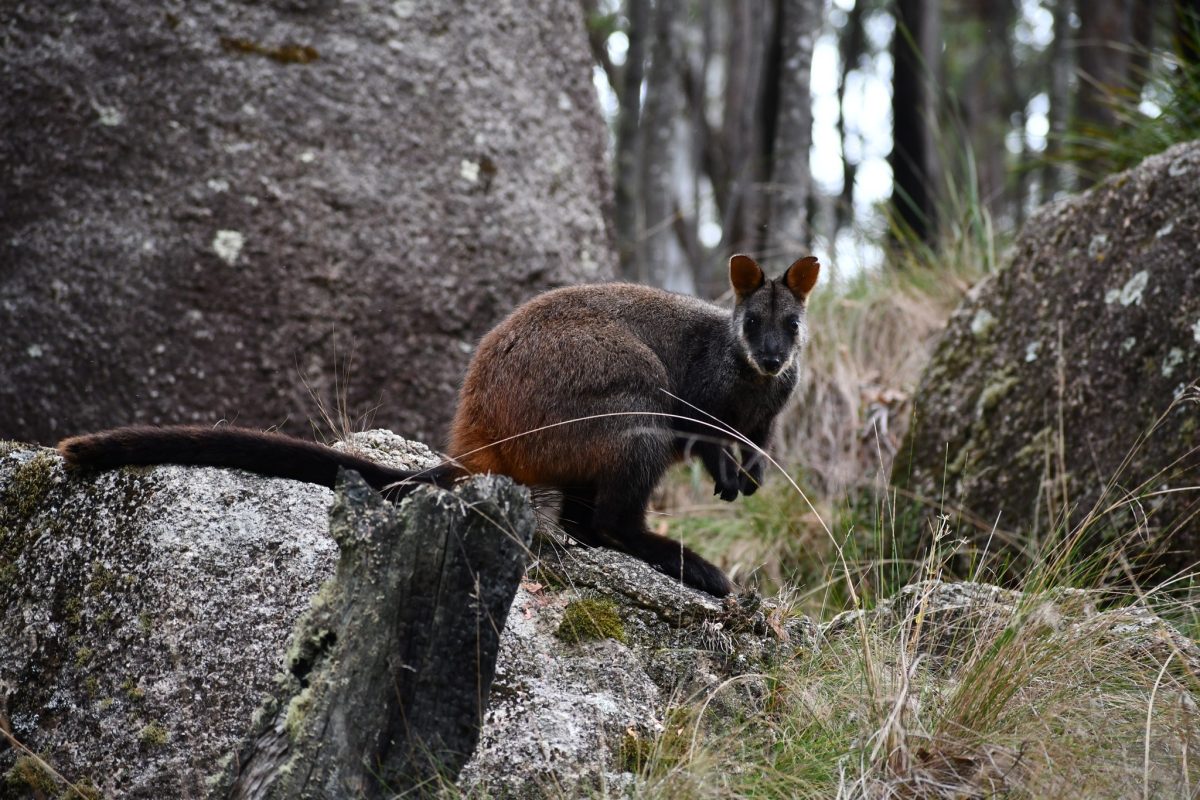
pixel 389 672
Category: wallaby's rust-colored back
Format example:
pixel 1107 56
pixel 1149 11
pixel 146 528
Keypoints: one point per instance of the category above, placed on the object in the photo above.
pixel 590 390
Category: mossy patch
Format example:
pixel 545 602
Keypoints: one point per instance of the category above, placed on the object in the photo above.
pixel 22 495
pixel 103 580
pixel 84 790
pixel 297 712
pixel 154 735
pixel 30 775
pixel 658 755
pixel 30 483
pixel 591 619
pixel 994 392
pixel 634 752
pixel 83 656
pixel 132 691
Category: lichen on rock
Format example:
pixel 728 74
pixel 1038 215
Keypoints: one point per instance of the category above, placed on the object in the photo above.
pixel 1090 347
pixel 143 611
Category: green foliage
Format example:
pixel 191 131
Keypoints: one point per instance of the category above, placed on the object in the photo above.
pixel 1171 89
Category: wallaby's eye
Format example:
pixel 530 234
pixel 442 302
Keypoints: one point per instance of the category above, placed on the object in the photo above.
pixel 794 324
pixel 751 323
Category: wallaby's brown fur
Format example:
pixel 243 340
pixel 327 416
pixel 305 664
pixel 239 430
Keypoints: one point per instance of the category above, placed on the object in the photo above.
pixel 591 390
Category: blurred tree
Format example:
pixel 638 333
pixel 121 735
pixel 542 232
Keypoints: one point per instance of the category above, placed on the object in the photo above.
pixel 852 46
pixel 1061 68
pixel 916 55
pixel 997 105
pixel 1114 40
pixel 713 130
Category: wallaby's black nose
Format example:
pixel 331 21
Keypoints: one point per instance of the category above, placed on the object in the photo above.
pixel 772 364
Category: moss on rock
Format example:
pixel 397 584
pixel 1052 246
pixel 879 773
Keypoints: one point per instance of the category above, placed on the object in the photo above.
pixel 1068 355
pixel 29 776
pixel 590 619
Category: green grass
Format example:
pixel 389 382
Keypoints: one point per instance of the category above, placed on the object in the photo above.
pixel 1171 85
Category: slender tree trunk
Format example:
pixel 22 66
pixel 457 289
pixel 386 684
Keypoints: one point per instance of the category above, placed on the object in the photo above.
pixel 1105 36
pixel 665 261
pixel 745 96
pixel 852 44
pixel 915 50
pixel 628 215
pixel 1054 175
pixel 791 182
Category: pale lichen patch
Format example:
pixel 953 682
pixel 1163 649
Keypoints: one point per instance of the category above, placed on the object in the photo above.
pixel 1196 331
pixel 1174 359
pixel 228 246
pixel 1131 292
pixel 982 322
pixel 108 116
pixel 469 170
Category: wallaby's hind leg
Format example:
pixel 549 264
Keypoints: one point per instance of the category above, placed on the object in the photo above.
pixel 619 520
pixel 578 509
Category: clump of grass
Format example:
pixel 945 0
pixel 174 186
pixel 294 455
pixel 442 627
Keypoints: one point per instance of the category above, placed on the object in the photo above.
pixel 1034 693
pixel 1160 109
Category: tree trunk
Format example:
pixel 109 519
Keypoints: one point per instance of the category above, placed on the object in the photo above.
pixel 666 263
pixel 988 97
pixel 915 55
pixel 203 207
pixel 1105 37
pixel 742 126
pixel 791 183
pixel 388 681
pixel 852 45
pixel 629 221
pixel 1055 176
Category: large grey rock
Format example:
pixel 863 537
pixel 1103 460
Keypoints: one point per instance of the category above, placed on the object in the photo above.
pixel 145 613
pixel 1059 367
pixel 205 206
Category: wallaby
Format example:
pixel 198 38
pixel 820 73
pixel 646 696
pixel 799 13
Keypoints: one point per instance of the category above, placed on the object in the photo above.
pixel 591 390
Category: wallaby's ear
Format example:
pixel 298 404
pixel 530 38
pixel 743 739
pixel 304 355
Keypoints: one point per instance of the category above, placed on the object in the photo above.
pixel 744 275
pixel 801 276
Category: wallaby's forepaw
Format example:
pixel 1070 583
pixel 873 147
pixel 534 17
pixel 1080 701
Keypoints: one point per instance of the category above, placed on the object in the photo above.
pixel 750 478
pixel 727 490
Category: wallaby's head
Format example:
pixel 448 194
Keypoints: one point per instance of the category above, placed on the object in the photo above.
pixel 768 319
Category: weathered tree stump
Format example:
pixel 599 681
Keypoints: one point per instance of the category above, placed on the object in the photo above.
pixel 389 673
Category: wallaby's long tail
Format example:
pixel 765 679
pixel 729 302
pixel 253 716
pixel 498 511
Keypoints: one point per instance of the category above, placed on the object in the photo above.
pixel 272 454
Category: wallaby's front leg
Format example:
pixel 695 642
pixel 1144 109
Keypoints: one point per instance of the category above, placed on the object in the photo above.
pixel 719 460
pixel 750 475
